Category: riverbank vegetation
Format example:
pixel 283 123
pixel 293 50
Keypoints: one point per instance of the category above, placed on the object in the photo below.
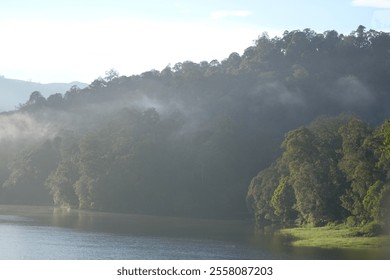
pixel 334 170
pixel 333 236
pixel 187 140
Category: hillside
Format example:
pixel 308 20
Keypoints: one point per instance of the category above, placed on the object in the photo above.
pixel 14 92
pixel 187 141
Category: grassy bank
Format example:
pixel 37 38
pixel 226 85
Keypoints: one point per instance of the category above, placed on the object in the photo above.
pixel 333 237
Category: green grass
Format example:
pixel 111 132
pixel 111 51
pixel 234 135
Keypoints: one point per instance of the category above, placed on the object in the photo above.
pixel 333 237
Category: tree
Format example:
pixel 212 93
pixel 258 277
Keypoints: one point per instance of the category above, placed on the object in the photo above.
pixel 358 168
pixel 111 75
pixel 283 201
pixel 36 98
pixel 55 100
pixel 217 124
pixel 28 172
pixel 61 184
pixel 386 133
pixel 259 197
pixel 311 184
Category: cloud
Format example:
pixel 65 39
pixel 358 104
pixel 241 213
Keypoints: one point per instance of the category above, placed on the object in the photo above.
pixel 372 3
pixel 381 20
pixel 235 13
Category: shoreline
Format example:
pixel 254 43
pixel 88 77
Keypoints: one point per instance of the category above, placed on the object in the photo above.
pixel 333 237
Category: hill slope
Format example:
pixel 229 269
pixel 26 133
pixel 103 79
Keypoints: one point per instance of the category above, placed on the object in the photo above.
pixel 14 92
pixel 187 141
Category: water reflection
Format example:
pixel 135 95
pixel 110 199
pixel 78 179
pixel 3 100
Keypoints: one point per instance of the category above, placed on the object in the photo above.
pixel 56 233
pixel 150 225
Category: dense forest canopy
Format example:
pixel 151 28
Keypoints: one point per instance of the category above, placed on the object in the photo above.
pixel 336 169
pixel 187 140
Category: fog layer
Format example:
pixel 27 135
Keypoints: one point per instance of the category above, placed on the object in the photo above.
pixel 188 140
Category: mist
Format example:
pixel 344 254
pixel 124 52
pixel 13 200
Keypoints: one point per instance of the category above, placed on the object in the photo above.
pixel 187 141
pixel 351 92
pixel 24 127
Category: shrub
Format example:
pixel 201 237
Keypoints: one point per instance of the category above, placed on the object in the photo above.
pixel 352 221
pixel 373 228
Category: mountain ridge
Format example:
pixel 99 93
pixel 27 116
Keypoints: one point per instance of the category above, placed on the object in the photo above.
pixel 14 92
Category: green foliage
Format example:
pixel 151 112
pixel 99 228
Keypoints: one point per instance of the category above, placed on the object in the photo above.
pixel 384 206
pixel 372 228
pixel 333 167
pixel 187 140
pixel 352 222
pixel 260 193
pixel 283 201
pixel 61 184
pixel 336 237
pixel 358 166
pixel 386 133
pixel 28 172
pixel 371 200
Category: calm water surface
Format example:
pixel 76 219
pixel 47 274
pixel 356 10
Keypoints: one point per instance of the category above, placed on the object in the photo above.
pixel 50 233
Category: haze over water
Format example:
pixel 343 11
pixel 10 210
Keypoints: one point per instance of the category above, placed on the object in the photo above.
pixel 49 233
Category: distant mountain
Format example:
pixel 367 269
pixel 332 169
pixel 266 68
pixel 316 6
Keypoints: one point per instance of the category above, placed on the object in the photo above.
pixel 14 92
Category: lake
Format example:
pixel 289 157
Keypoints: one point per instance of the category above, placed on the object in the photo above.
pixel 44 233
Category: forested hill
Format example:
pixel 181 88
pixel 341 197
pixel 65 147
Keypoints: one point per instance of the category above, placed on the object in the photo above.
pixel 187 140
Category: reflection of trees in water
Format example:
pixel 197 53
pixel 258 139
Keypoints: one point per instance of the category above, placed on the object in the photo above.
pixel 213 127
pixel 66 217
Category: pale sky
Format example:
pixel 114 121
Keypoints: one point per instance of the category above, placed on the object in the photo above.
pixel 79 40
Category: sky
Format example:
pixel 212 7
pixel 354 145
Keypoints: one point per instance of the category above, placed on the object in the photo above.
pixel 63 41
